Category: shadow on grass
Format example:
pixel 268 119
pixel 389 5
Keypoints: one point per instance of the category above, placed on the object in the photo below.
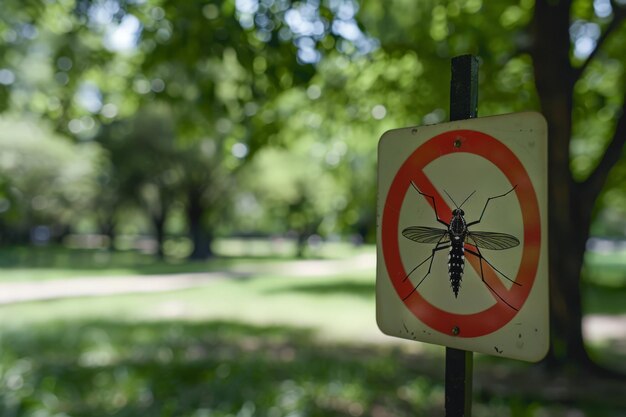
pixel 183 369
pixel 233 369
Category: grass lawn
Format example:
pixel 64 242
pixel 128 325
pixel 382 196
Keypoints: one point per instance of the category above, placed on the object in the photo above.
pixel 268 345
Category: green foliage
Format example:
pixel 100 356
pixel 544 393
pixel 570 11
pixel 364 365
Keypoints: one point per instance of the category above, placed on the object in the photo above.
pixel 288 190
pixel 434 32
pixel 598 96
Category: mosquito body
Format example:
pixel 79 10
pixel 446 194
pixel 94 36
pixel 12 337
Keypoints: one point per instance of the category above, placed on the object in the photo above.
pixel 457 231
pixel 454 238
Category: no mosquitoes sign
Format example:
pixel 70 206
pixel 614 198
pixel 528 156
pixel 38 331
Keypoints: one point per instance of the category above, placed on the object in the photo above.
pixel 462 235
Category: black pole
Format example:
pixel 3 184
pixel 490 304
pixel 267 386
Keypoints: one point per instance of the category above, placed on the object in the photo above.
pixel 464 88
pixel 463 105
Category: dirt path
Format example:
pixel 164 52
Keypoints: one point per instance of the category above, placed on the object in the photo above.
pixel 18 292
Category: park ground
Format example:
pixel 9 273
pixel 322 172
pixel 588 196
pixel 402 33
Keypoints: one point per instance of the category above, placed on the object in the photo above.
pixel 258 333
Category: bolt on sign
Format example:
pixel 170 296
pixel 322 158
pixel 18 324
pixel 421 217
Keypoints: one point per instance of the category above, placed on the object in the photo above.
pixel 462 255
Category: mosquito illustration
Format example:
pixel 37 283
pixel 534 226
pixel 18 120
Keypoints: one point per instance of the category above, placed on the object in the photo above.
pixel 454 237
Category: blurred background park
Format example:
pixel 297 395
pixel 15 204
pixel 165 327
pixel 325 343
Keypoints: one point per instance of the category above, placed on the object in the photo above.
pixel 188 202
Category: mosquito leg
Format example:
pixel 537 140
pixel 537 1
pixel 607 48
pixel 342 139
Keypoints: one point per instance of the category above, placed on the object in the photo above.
pixel 482 276
pixel 482 258
pixel 437 245
pixel 420 264
pixel 486 203
pixel 430 265
pixel 434 204
pixel 430 257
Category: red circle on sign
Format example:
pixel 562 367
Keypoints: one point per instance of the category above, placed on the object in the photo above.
pixel 412 170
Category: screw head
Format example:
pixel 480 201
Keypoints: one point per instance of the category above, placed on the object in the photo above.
pixel 456 330
pixel 457 143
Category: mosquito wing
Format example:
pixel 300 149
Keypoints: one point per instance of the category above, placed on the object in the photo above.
pixel 423 234
pixel 492 240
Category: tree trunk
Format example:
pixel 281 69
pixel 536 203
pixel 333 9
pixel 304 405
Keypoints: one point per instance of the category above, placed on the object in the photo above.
pixel 59 233
pixel 107 228
pixel 301 244
pixel 159 230
pixel 571 204
pixel 199 236
pixel 568 217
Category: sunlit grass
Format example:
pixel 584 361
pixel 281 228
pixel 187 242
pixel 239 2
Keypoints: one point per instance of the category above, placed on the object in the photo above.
pixel 604 283
pixel 340 307
pixel 605 269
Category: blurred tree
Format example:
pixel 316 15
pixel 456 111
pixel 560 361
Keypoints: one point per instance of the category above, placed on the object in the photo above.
pixel 578 54
pixel 48 181
pixel 224 66
pixel 289 191
pixel 146 168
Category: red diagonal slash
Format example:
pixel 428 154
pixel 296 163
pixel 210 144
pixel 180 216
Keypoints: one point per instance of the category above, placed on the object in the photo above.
pixel 427 187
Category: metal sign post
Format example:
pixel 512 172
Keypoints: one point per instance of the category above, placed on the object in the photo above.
pixel 474 189
pixel 459 363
